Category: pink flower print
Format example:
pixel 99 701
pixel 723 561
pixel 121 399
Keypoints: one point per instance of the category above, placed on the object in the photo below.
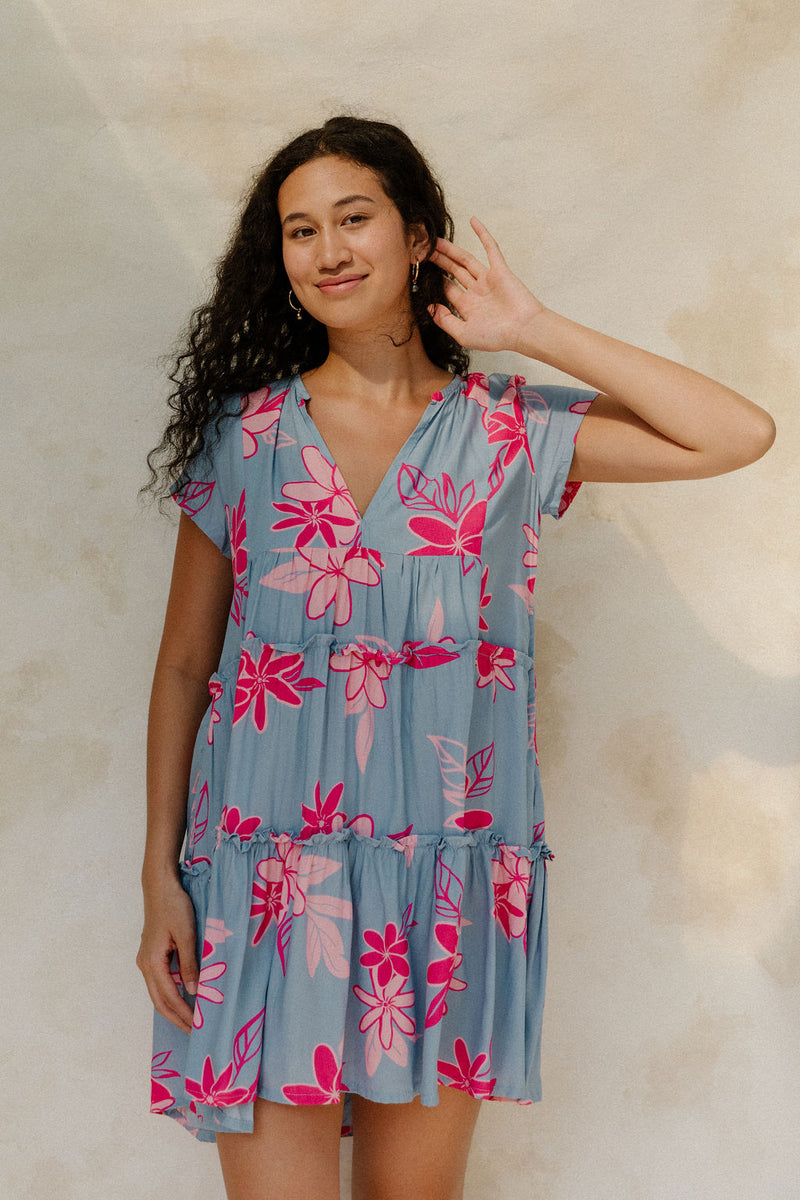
pixel 272 674
pixel 328 1074
pixel 467 1075
pixel 335 570
pixel 388 955
pixel 205 991
pixel 441 972
pixel 267 900
pixel 233 823
pixel 160 1096
pixel 218 1090
pixel 216 690
pixel 386 1013
pixel 486 599
pixel 367 668
pixel 529 559
pixel 314 517
pixel 458 526
pixel 511 875
pixel 214 934
pixel 237 532
pixel 327 487
pixel 491 662
pixel 261 414
pixel 325 816
pixel 462 536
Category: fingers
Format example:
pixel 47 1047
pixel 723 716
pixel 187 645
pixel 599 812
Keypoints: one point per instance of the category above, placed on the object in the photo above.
pixel 155 960
pixel 462 265
pixel 163 990
pixel 448 321
pixel 493 251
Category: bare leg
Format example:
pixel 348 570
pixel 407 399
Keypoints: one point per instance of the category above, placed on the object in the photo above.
pixel 292 1153
pixel 402 1150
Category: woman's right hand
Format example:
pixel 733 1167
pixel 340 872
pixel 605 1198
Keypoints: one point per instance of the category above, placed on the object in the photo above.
pixel 169 927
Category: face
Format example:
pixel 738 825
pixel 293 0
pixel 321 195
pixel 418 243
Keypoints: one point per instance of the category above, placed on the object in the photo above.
pixel 345 248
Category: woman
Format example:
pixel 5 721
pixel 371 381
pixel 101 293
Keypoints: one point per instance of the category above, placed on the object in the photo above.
pixel 360 907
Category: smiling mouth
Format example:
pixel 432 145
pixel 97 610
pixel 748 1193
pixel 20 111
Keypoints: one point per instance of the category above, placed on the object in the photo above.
pixel 336 287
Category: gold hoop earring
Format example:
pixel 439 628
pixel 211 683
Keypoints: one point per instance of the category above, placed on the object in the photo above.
pixel 298 310
pixel 414 276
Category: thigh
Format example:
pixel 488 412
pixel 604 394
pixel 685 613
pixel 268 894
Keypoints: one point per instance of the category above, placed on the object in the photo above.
pixel 402 1150
pixel 292 1153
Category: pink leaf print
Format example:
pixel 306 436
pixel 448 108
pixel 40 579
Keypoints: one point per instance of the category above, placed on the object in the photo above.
pixel 449 890
pixel 272 674
pixel 160 1096
pixel 511 875
pixel 328 1074
pixel 486 599
pixel 216 690
pixel 534 404
pixel 441 972
pixel 453 767
pixel 491 662
pixel 581 406
pixel 538 832
pixel 472 818
pixel 325 816
pixel 323 937
pixel 465 1074
pixel 237 532
pixel 247 1043
pixel 496 475
pixel 199 823
pixel 218 1090
pixel 294 576
pixel 193 497
pixel 420 656
pixel 214 934
pixel 416 490
pixel 480 772
pixel 284 938
pixel 261 414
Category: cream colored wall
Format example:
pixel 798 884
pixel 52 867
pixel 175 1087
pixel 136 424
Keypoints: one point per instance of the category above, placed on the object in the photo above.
pixel 639 164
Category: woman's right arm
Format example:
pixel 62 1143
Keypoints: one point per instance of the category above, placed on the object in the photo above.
pixel 194 630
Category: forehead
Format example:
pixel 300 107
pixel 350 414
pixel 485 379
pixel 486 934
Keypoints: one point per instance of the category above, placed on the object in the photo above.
pixel 322 181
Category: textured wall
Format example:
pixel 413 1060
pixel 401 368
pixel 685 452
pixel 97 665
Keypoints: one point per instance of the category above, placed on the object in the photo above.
pixel 639 164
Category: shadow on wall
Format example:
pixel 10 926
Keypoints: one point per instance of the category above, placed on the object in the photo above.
pixel 648 723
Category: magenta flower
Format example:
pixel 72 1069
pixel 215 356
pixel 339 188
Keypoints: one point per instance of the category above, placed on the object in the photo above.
pixel 486 599
pixel 388 956
pixel 314 517
pixel 462 535
pixel 267 900
pixel 326 487
pixel 237 532
pixel 193 497
pixel 468 1075
pixel 217 1090
pixel 328 1074
pixel 272 674
pixel 232 822
pixel 491 662
pixel 325 816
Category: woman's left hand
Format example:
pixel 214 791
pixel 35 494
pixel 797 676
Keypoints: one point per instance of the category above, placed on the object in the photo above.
pixel 492 303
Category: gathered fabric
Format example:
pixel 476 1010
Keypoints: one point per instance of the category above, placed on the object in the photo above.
pixel 365 847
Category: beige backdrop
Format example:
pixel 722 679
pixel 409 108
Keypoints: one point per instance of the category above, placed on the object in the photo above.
pixel 639 163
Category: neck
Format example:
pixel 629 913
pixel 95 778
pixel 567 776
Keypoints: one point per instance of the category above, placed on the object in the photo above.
pixel 370 364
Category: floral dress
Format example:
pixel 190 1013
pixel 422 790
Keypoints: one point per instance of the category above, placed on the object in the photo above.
pixel 365 844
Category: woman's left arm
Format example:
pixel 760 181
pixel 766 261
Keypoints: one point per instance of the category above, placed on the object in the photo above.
pixel 654 420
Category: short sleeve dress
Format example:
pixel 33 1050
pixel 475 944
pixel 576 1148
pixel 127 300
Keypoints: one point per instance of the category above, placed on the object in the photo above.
pixel 365 845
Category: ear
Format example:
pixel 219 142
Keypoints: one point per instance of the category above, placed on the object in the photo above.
pixel 419 243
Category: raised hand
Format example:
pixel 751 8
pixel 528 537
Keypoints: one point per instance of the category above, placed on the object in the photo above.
pixel 493 305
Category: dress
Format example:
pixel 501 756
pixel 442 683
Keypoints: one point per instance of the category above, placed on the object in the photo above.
pixel 365 849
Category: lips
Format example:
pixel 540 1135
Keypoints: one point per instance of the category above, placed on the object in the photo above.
pixel 340 285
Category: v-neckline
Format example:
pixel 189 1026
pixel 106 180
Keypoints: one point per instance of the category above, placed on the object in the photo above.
pixel 302 397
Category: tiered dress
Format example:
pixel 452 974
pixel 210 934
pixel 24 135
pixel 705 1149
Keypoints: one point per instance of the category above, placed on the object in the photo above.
pixel 365 844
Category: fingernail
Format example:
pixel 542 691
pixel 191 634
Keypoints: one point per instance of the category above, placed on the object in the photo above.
pixel 191 987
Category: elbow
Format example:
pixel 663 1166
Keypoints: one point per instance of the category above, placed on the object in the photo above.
pixel 760 438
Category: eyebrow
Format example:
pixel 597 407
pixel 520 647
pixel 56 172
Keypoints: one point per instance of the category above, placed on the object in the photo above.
pixel 301 216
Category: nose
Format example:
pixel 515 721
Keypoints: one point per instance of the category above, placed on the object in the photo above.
pixel 332 250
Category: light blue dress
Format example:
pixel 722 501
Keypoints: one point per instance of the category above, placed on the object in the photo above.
pixel 365 844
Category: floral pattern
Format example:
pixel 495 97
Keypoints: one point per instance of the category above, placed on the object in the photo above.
pixel 365 845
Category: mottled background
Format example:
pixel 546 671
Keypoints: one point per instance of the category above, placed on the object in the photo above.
pixel 639 163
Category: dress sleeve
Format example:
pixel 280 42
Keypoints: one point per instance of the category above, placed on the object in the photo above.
pixel 204 492
pixel 553 415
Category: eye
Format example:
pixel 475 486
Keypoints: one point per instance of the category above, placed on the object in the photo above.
pixel 354 219
pixel 302 231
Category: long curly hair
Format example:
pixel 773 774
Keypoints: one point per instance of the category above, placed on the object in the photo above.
pixel 246 334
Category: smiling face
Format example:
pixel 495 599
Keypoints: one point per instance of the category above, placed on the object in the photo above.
pixel 345 248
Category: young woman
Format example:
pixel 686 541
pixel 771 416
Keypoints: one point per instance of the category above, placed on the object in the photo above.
pixel 359 911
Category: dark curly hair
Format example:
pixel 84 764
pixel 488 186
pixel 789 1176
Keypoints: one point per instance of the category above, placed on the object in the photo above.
pixel 246 334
